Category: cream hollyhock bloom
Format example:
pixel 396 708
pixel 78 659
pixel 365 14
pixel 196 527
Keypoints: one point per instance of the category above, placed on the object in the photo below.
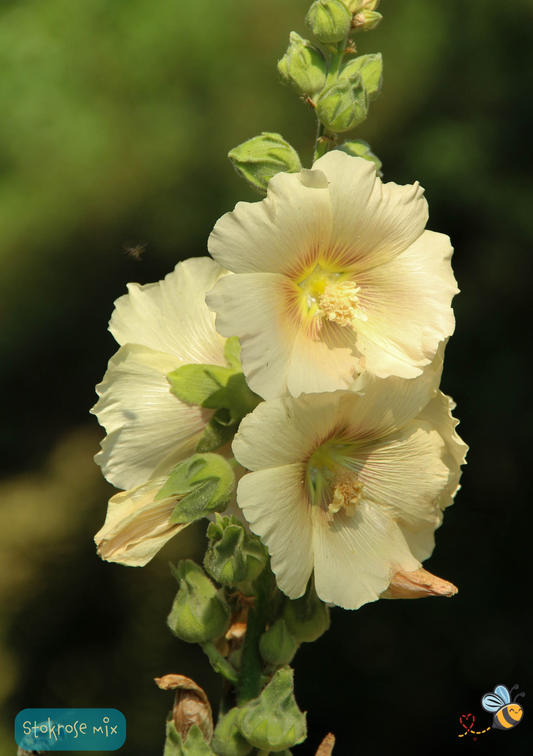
pixel 160 327
pixel 336 274
pixel 350 486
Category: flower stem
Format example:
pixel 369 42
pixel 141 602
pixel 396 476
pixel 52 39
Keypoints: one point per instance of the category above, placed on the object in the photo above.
pixel 220 664
pixel 325 139
pixel 250 679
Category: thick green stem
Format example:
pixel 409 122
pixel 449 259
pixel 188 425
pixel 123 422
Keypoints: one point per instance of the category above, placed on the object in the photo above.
pixel 250 680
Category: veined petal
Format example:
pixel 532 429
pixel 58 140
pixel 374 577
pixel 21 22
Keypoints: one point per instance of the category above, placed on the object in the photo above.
pixel 256 309
pixel 171 315
pixel 373 222
pixel 354 556
pixel 292 224
pixel 136 527
pixel 273 504
pixel 408 307
pixel 404 473
pixel 422 542
pixel 144 422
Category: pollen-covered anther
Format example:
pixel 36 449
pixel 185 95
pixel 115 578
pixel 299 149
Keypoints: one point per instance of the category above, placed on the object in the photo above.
pixel 340 303
pixel 347 494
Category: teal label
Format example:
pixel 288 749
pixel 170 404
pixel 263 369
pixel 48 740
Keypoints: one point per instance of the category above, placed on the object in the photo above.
pixel 70 729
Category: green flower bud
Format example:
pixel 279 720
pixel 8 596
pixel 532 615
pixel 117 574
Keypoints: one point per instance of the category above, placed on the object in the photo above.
pixel 366 20
pixel 194 745
pixel 233 555
pixel 354 6
pixel 228 739
pixel 343 105
pixel 329 20
pixel 273 721
pixel 358 148
pixel 277 646
pixel 370 67
pixel 307 618
pixel 203 484
pixel 303 67
pixel 260 158
pixel 198 613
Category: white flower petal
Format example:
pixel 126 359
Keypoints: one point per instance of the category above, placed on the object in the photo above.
pixel 421 542
pixel 171 315
pixel 373 222
pixel 408 307
pixel 353 556
pixel 145 423
pixel 136 527
pixel 272 502
pixel 272 235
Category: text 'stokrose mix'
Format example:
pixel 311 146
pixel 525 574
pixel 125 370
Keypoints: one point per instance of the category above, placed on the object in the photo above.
pixel 336 274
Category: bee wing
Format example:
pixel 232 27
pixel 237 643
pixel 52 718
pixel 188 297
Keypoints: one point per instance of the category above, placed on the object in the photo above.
pixel 503 693
pixel 492 702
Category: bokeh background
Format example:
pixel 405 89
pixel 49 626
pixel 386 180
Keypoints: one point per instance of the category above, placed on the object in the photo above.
pixel 115 120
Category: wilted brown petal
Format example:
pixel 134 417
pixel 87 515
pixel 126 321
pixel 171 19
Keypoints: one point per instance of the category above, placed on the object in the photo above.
pixel 418 584
pixel 326 747
pixel 191 705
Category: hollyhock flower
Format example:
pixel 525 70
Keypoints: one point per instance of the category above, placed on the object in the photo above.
pixel 336 274
pixel 349 485
pixel 160 327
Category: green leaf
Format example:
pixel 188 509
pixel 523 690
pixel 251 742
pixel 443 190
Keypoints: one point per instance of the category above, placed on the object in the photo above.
pixel 201 384
pixel 232 352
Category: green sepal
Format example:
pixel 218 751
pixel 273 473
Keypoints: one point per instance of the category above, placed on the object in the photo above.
pixel 198 613
pixel 272 721
pixel 329 20
pixel 262 157
pixel 200 384
pixel 232 352
pixel 307 618
pixel 366 20
pixel 359 148
pixel 219 430
pixel 343 105
pixel 370 67
pixel 277 646
pixel 234 557
pixel 204 483
pixel 228 739
pixel 303 67
pixel 194 745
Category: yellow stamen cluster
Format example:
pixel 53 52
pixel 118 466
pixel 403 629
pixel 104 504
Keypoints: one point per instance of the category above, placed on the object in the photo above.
pixel 347 494
pixel 340 303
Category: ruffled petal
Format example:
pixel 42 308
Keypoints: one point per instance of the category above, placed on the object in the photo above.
pixel 421 542
pixel 273 503
pixel 136 527
pixel 404 473
pixel 408 308
pixel 355 557
pixel 372 222
pixel 144 422
pixel 171 315
pixel 256 308
pixel 291 224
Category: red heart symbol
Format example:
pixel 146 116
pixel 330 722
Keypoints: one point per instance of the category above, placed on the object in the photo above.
pixel 467 721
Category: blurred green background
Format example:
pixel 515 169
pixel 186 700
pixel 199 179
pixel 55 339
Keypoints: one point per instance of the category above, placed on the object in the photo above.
pixel 115 120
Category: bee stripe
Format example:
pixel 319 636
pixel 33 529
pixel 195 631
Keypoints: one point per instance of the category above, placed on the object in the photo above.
pixel 505 719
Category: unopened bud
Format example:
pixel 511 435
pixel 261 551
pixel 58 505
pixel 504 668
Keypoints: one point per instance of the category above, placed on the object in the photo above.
pixel 370 67
pixel 418 584
pixel 307 618
pixel 273 721
pixel 303 67
pixel 354 6
pixel 228 738
pixel 277 646
pixel 191 706
pixel 366 20
pixel 198 613
pixel 326 747
pixel 329 20
pixel 233 556
pixel 343 105
pixel 359 148
pixel 260 158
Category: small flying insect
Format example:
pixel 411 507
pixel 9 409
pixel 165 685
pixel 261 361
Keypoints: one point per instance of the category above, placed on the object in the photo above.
pixel 134 250
pixel 506 714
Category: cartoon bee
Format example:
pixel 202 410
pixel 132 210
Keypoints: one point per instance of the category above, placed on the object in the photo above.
pixel 506 714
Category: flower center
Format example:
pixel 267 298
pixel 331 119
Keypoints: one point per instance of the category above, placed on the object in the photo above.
pixel 332 484
pixel 332 296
